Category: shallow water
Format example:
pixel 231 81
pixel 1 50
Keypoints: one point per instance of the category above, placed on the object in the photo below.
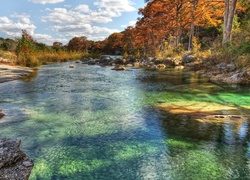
pixel 90 122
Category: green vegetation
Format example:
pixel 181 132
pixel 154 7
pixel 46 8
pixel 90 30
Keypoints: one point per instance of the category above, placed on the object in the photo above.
pixel 30 53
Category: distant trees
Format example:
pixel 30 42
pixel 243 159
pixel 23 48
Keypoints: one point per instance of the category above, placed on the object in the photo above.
pixel 79 44
pixel 8 44
pixel 31 53
pixel 113 44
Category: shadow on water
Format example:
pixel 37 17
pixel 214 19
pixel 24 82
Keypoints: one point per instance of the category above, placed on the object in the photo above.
pixel 31 76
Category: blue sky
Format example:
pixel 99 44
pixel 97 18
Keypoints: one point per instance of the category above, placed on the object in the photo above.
pixel 61 20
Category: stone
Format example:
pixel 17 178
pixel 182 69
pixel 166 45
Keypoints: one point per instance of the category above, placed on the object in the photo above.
pixel 78 61
pixel 161 66
pixel 14 163
pixel 231 67
pixel 188 58
pixel 120 61
pixel 136 64
pixel 222 65
pixel 28 164
pixel 1 113
pixel 118 67
pixel 219 116
pixel 179 67
pixel 235 116
pixel 91 62
pixel 129 65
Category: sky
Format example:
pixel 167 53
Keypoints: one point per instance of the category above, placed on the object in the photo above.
pixel 49 21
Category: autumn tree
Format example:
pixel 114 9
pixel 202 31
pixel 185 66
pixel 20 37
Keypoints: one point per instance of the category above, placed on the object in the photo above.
pixel 113 44
pixel 26 50
pixel 175 19
pixel 128 40
pixel 78 44
pixel 57 44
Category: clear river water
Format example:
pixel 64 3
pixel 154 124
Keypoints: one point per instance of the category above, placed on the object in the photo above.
pixel 90 122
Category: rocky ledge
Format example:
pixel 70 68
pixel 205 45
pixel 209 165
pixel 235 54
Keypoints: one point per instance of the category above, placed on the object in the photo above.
pixel 14 163
pixel 227 73
pixel 10 73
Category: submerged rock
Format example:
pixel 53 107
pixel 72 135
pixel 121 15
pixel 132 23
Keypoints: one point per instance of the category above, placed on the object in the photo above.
pixel 71 66
pixel 14 163
pixel 205 112
pixel 1 113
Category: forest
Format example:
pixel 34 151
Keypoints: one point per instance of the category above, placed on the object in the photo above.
pixel 217 30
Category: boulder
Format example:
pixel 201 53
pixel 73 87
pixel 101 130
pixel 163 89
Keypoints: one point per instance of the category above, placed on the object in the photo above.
pixel 188 58
pixel 105 60
pixel 78 61
pixel 14 163
pixel 118 67
pixel 1 113
pixel 226 67
pixel 91 62
pixel 136 64
pixel 129 65
pixel 179 67
pixel 161 66
pixel 231 67
pixel 241 78
pixel 176 61
pixel 120 61
pixel 222 65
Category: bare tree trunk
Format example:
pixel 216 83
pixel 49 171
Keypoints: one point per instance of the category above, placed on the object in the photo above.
pixel 230 6
pixel 191 35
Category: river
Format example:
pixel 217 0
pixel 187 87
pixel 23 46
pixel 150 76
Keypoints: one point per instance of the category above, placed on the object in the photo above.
pixel 90 122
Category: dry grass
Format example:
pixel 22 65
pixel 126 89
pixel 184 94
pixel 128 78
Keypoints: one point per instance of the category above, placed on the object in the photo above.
pixel 7 57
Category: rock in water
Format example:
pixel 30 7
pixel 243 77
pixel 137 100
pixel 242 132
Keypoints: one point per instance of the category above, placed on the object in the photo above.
pixel 14 163
pixel 118 67
pixel 1 113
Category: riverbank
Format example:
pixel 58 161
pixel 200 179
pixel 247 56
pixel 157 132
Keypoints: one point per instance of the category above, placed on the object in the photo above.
pixel 10 73
pixel 221 73
pixel 225 73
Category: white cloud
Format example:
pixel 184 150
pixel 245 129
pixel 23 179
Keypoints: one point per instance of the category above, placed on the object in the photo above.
pixel 13 27
pixel 5 20
pixel 81 20
pixel 87 30
pixel 76 16
pixel 48 39
pixel 46 1
pixel 83 8
pixel 116 6
pixel 130 23
pixel 82 14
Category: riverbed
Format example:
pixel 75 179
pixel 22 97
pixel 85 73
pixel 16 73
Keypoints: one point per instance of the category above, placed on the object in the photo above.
pixel 90 122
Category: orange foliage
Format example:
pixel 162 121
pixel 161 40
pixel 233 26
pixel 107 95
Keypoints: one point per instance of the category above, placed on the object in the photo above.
pixel 171 20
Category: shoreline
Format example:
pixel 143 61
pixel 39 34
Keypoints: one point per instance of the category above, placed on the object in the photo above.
pixel 11 73
pixel 230 78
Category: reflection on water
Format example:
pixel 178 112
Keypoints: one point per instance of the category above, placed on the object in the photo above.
pixel 93 123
